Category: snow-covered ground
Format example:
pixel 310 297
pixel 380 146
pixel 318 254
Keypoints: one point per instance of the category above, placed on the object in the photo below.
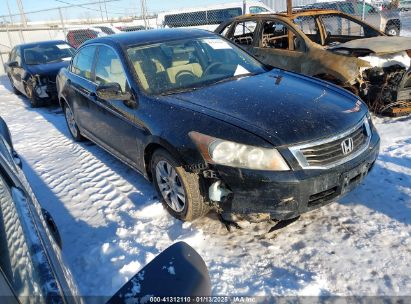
pixel 111 223
pixel 405 18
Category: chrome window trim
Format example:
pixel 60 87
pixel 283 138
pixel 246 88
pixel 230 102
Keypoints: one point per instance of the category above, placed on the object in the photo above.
pixel 296 150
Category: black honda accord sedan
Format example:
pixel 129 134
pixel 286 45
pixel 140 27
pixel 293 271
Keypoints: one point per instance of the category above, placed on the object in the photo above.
pixel 32 69
pixel 214 128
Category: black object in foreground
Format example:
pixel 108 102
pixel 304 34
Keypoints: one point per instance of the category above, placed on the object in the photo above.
pixel 179 271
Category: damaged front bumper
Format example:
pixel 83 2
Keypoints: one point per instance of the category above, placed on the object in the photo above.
pixel 387 90
pixel 43 88
pixel 287 194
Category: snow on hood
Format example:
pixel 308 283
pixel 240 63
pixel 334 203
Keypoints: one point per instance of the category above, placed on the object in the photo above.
pixel 378 45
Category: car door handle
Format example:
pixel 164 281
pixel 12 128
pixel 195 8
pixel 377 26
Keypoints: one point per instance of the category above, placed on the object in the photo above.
pixel 92 96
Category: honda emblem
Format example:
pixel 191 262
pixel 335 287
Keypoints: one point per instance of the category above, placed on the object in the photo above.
pixel 347 145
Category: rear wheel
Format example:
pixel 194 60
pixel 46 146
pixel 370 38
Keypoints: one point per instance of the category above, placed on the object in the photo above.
pixel 71 124
pixel 180 190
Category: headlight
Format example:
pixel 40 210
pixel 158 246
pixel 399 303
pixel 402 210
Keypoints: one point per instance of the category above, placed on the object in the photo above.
pixel 228 153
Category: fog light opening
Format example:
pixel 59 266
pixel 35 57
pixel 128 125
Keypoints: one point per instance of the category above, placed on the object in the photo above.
pixel 218 192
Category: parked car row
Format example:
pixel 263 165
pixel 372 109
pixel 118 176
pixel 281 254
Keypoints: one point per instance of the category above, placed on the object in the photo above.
pixel 76 37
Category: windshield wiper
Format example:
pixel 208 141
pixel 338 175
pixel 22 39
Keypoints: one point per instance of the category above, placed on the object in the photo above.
pixel 179 90
pixel 205 84
pixel 233 78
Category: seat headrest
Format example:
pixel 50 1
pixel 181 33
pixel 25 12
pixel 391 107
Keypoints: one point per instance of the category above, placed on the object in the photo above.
pixel 180 57
pixel 116 67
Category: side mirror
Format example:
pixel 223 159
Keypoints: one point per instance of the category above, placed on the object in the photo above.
pixel 111 91
pixel 179 271
pixel 13 64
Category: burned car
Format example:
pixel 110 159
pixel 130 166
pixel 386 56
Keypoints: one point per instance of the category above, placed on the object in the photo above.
pixel 32 69
pixel 332 46
pixel 213 128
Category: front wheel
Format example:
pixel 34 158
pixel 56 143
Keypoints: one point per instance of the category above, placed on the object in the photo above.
pixel 71 124
pixel 180 190
pixel 392 30
pixel 15 91
pixel 31 95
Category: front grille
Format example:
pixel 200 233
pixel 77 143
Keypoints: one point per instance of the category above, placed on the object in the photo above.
pixel 51 86
pixel 329 152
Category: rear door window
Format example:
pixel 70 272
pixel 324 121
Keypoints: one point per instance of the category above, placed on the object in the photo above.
pixel 336 25
pixel 275 35
pixel 109 68
pixel 83 62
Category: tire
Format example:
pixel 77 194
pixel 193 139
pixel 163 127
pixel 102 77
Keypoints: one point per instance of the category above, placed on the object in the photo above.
pixel 71 124
pixel 194 205
pixel 392 30
pixel 35 102
pixel 15 91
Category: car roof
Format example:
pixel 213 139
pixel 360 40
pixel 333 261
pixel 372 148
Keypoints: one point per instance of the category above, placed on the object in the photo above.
pixel 48 42
pixel 150 36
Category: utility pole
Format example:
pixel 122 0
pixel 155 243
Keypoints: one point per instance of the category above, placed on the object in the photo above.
pixel 101 11
pixel 8 8
pixel 289 7
pixel 105 7
pixel 22 15
pixel 143 5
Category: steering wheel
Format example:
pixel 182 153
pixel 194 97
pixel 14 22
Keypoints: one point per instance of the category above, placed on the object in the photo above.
pixel 210 67
pixel 185 77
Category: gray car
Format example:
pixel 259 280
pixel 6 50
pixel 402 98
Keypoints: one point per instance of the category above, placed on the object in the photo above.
pixel 387 21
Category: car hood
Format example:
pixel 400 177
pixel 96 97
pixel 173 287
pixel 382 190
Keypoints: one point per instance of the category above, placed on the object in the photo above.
pixel 282 107
pixel 378 45
pixel 49 69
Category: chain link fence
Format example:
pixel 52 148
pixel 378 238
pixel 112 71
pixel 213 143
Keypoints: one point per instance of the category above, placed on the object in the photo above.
pixel 78 23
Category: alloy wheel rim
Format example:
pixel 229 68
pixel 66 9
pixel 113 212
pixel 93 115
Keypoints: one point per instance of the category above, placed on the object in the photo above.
pixel 392 32
pixel 71 122
pixel 170 186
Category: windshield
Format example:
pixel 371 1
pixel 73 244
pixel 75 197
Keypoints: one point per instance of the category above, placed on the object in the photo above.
pixel 42 54
pixel 175 66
